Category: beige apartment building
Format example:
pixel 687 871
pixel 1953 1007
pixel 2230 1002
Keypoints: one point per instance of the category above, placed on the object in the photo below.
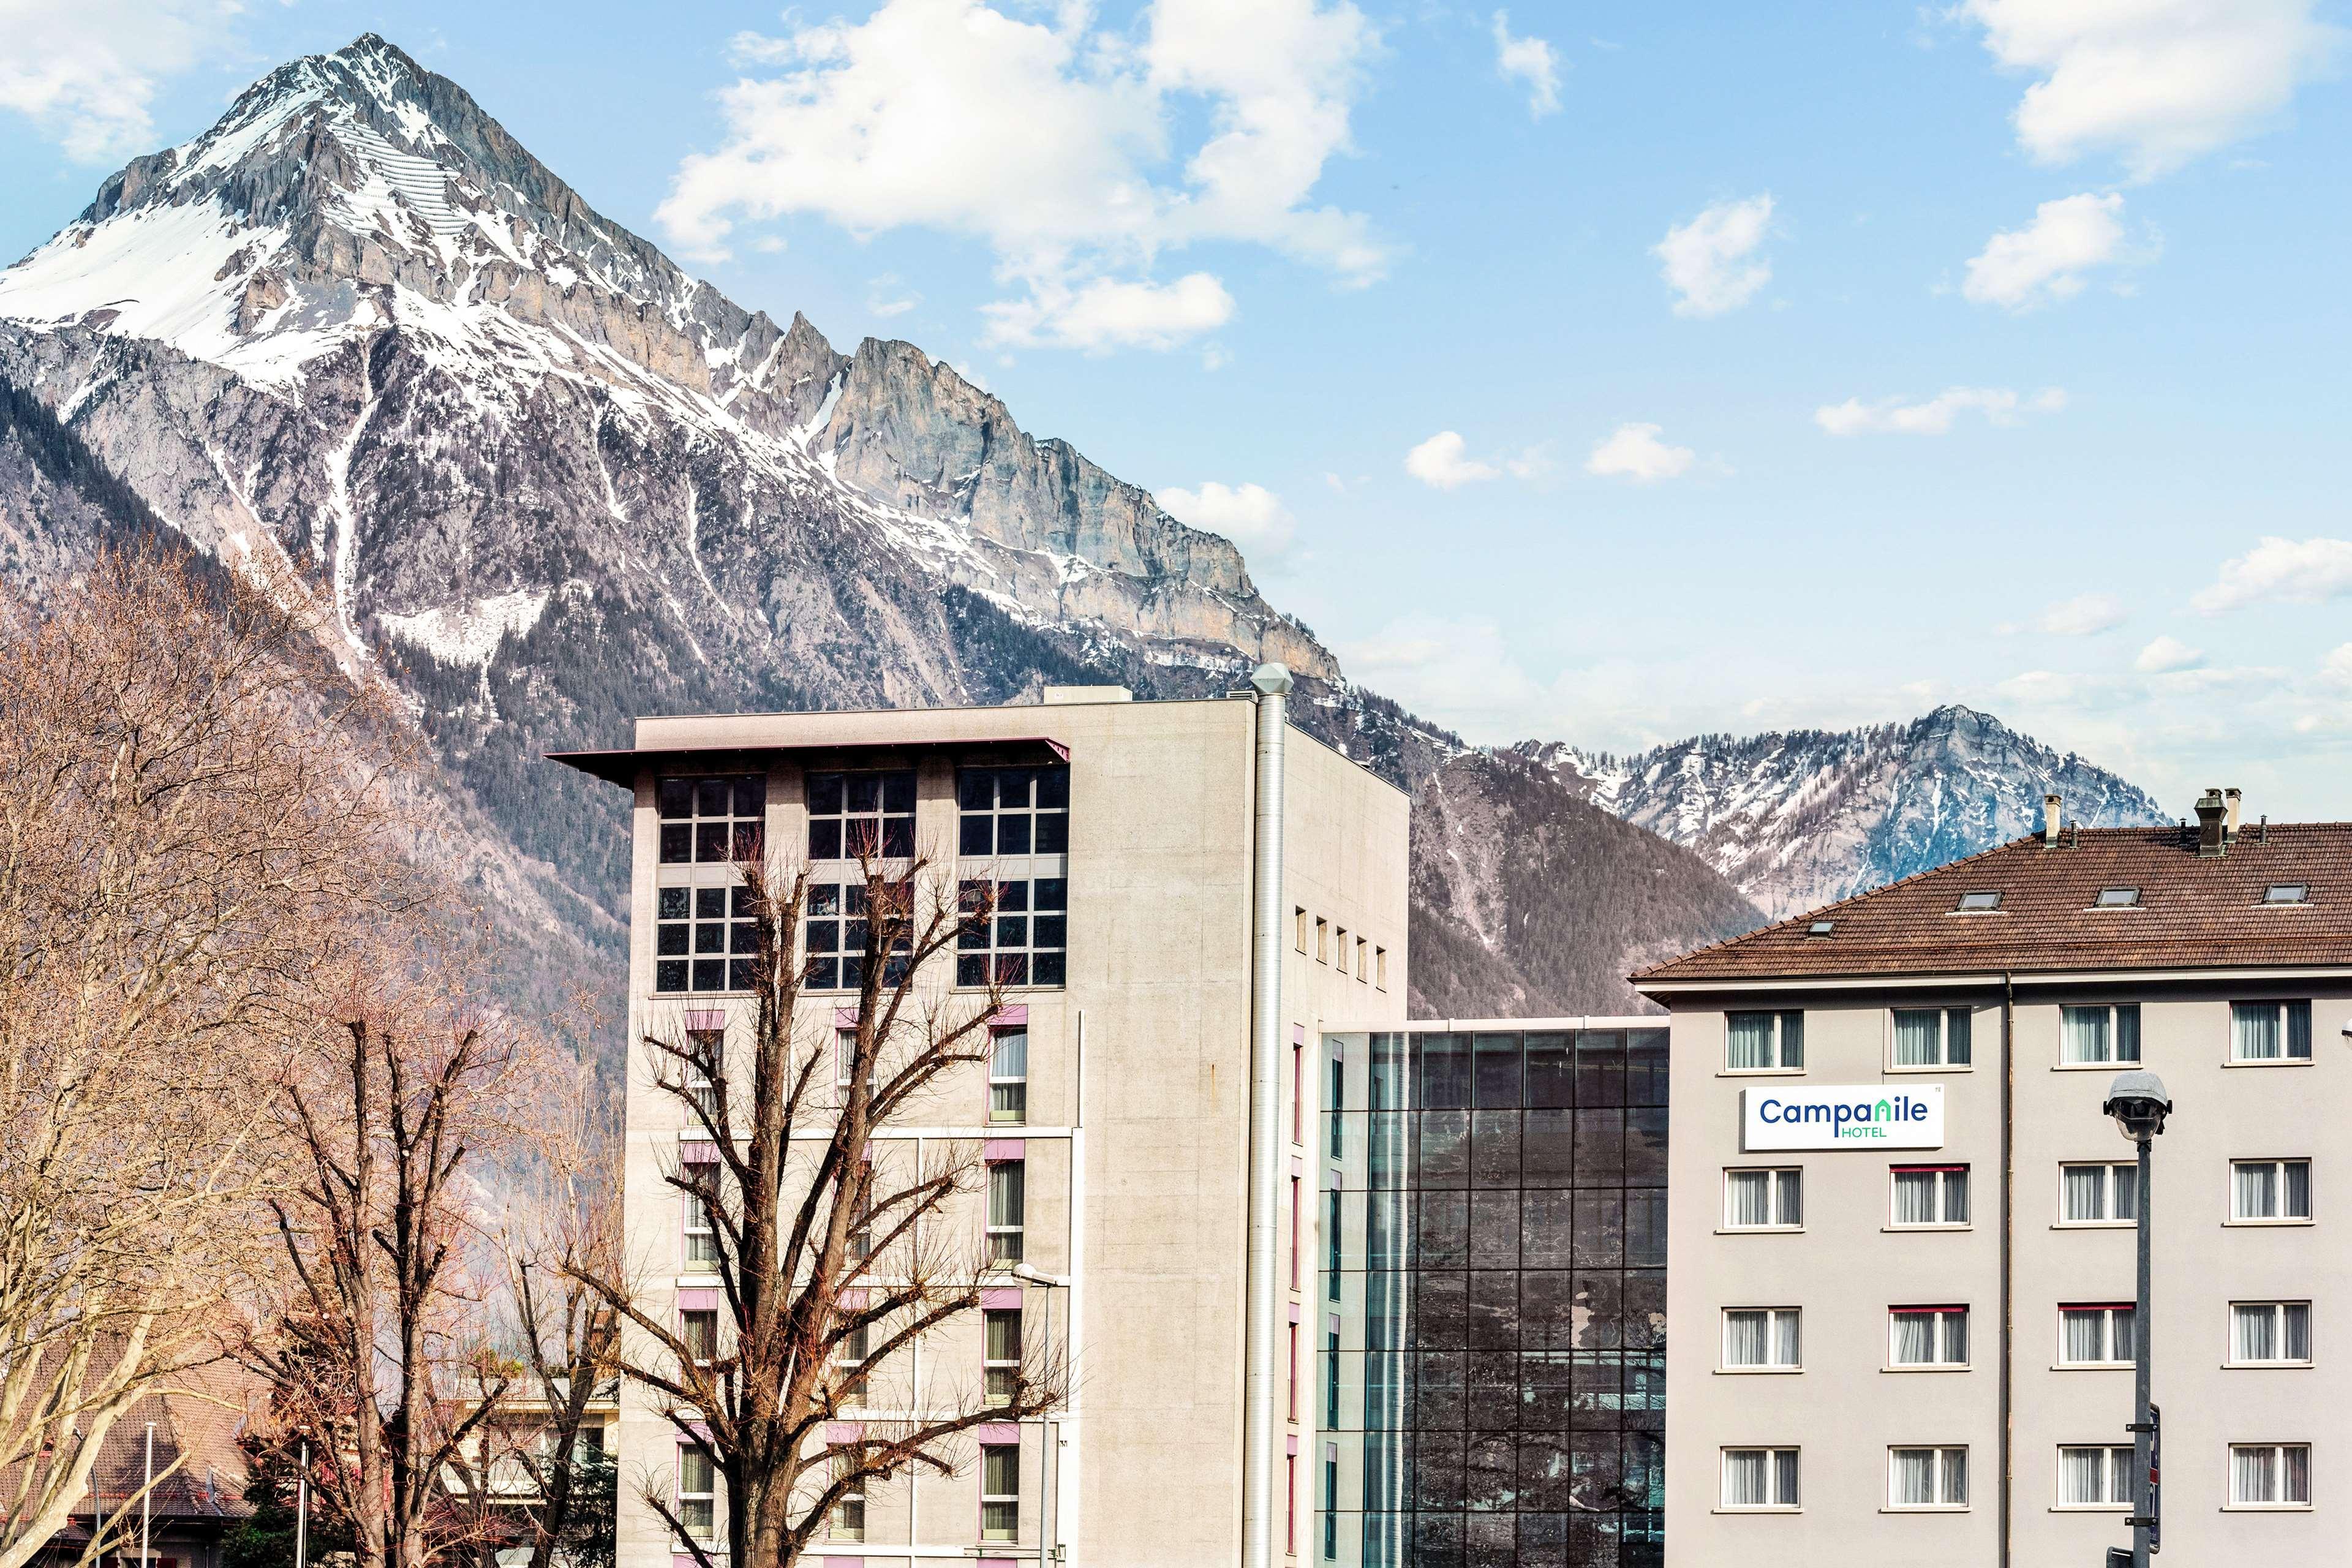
pixel 1186 890
pixel 1901 1249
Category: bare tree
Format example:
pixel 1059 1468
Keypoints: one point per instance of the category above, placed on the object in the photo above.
pixel 193 825
pixel 816 1253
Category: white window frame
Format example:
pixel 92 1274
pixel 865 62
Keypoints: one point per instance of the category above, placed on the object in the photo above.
pixel 1777 1181
pixel 2283 1016
pixel 1014 1087
pixel 2278 1310
pixel 2276 1469
pixel 848 1521
pixel 993 1366
pixel 1941 1345
pixel 1773 1340
pixel 1943 1062
pixel 686 1335
pixel 850 1358
pixel 1944 1174
pixel 1771 1479
pixel 2117 1458
pixel 2113 1045
pixel 1779 1064
pixel 682 1498
pixel 1010 1500
pixel 2279 1169
pixel 699 1228
pixel 1939 1468
pixel 2106 1194
pixel 2107 1311
pixel 1007 1239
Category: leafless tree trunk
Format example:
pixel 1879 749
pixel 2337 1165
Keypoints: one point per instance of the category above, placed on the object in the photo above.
pixel 788 1187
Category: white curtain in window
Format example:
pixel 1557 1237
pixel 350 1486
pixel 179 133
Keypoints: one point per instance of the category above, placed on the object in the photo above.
pixel 2127 1032
pixel 2127 1192
pixel 1744 1478
pixel 1955 1036
pixel 1784 1346
pixel 2082 1034
pixel 1956 1478
pixel 1955 1337
pixel 2123 1326
pixel 1955 1197
pixel 2298 1190
pixel 1915 1477
pixel 2298 1030
pixel 1791 1197
pixel 2256 1333
pixel 2083 1335
pixel 2254 1030
pixel 2295 1478
pixel 2256 1189
pixel 1751 1040
pixel 1917 1040
pixel 2086 1197
pixel 2081 1475
pixel 2297 1339
pixel 2250 1475
pixel 1746 1338
pixel 1914 1339
pixel 1751 1197
pixel 1792 1039
pixel 1784 1478
pixel 1009 1055
pixel 1914 1197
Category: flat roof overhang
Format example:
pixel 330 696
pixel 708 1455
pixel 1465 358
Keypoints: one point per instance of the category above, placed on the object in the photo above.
pixel 622 766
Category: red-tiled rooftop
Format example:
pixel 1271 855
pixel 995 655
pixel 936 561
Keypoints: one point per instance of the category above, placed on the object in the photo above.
pixel 2193 912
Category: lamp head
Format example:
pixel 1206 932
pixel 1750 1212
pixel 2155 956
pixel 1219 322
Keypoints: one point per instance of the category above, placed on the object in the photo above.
pixel 2136 1101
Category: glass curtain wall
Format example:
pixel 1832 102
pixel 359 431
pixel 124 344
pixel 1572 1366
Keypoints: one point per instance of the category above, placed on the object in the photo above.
pixel 1499 1291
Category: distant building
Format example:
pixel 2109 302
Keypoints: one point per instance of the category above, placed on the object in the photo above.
pixel 1915 1345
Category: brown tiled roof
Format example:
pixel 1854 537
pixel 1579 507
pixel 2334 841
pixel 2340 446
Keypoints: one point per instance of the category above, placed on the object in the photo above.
pixel 2199 912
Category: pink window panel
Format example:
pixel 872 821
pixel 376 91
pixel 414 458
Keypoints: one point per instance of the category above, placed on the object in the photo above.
pixel 1015 1016
pixel 698 1300
pixel 1000 1299
pixel 851 1300
pixel 838 1432
pixel 999 1150
pixel 997 1434
pixel 1294 1311
pixel 712 1019
pixel 840 1563
pixel 845 1017
pixel 697 1152
pixel 1298 1034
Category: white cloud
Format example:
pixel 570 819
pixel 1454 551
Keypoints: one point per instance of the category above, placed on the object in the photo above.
pixel 1077 153
pixel 2084 615
pixel 2311 572
pixel 1440 461
pixel 2165 656
pixel 2022 268
pixel 885 298
pixel 85 73
pixel 1998 404
pixel 1637 452
pixel 1250 515
pixel 1530 60
pixel 1711 262
pixel 1457 671
pixel 2336 671
pixel 1532 464
pixel 2156 81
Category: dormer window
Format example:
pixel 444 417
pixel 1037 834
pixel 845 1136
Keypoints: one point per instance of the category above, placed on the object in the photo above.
pixel 2287 893
pixel 1979 903
pixel 1820 928
pixel 2118 898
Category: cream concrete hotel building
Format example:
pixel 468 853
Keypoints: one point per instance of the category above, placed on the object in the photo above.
pixel 1187 890
pixel 1900 1255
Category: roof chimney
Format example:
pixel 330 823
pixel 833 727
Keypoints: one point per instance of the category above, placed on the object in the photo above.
pixel 2210 813
pixel 2234 797
pixel 2050 805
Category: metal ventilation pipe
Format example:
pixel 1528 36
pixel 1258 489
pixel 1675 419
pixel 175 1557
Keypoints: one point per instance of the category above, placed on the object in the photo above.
pixel 1262 1301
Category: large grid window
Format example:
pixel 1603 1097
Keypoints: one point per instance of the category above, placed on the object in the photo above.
pixel 712 820
pixel 1932 1037
pixel 1000 1492
pixel 836 934
pixel 2270 1475
pixel 1927 1478
pixel 1014 810
pixel 1760 1338
pixel 2102 1194
pixel 2095 1334
pixel 2270 1031
pixel 2270 1333
pixel 2277 1191
pixel 1764 1042
pixel 1759 1477
pixel 1927 1336
pixel 2089 1037
pixel 1014 932
pixel 1764 1199
pixel 1928 1197
pixel 2096 1477
pixel 856 815
pixel 704 939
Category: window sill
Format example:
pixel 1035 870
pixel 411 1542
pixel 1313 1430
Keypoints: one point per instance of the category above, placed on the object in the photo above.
pixel 705 995
pixel 1760 1230
pixel 2265 1508
pixel 2090 1366
pixel 1914 1072
pixel 1768 1509
pixel 1758 1371
pixel 1931 1229
pixel 2265 1223
pixel 1760 1072
pixel 2266 1366
pixel 2121 1064
pixel 1938 1366
pixel 2096 1225
pixel 2273 1062
pixel 2090 1508
pixel 1926 1507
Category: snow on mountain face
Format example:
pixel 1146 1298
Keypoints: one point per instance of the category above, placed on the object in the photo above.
pixel 1800 819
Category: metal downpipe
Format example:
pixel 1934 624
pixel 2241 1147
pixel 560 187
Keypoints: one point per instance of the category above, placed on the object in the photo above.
pixel 1262 1301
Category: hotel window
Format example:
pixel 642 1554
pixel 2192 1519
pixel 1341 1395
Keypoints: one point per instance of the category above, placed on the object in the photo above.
pixel 2270 1031
pixel 1927 1336
pixel 836 937
pixel 701 1237
pixel 1338 1100
pixel 1006 1209
pixel 699 1331
pixel 1008 1075
pixel 1000 1492
pixel 1932 1037
pixel 1330 1502
pixel 2276 1191
pixel 1760 1337
pixel 711 821
pixel 1014 810
pixel 2095 1335
pixel 2095 1477
pixel 852 816
pixel 849 1510
pixel 2098 1194
pixel 1017 935
pixel 2091 1036
pixel 1764 1199
pixel 1927 1478
pixel 849 1358
pixel 704 939
pixel 2270 1333
pixel 845 1057
pixel 1331 1239
pixel 1928 1196
pixel 1764 1042
pixel 1759 1477
pixel 1331 1371
pixel 697 1493
pixel 1000 1354
pixel 703 1048
pixel 2270 1475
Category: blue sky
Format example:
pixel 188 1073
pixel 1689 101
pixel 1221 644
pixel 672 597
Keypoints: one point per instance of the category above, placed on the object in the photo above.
pixel 1604 373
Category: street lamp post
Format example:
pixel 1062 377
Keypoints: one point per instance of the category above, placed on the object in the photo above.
pixel 2136 1101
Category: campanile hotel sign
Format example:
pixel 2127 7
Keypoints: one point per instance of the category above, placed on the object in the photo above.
pixel 1859 1116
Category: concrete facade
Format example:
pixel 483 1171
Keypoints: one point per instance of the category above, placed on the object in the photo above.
pixel 1136 1136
